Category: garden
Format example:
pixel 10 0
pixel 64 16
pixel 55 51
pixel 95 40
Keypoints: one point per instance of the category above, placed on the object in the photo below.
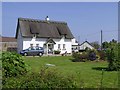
pixel 81 70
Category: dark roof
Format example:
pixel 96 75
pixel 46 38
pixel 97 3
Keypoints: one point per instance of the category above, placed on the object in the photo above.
pixel 86 42
pixel 8 39
pixel 50 40
pixel 43 28
pixel 76 45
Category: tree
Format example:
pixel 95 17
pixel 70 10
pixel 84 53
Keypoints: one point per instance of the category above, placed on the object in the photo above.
pixel 113 57
pixel 114 41
pixel 105 45
pixel 110 44
pixel 95 44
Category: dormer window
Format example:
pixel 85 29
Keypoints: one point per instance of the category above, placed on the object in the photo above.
pixel 59 31
pixel 65 35
pixel 34 35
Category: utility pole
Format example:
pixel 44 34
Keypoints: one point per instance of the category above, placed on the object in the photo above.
pixel 78 42
pixel 101 39
pixel 78 39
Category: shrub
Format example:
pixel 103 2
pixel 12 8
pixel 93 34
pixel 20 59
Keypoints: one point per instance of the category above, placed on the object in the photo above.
pixel 102 55
pixel 97 57
pixel 79 57
pixel 12 64
pixel 47 78
pixel 76 57
pixel 113 58
pixel 91 55
pixel 56 52
pixel 82 57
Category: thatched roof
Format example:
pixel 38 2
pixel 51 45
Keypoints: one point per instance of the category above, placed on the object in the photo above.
pixel 43 28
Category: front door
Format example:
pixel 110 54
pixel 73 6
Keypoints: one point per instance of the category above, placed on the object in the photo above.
pixel 50 48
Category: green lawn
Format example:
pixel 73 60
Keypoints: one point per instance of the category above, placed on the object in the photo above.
pixel 89 74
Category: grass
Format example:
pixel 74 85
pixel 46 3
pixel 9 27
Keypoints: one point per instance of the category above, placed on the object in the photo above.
pixel 88 74
pixel 0 73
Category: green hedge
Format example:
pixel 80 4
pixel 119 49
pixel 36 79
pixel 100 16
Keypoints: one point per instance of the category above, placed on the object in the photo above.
pixel 47 78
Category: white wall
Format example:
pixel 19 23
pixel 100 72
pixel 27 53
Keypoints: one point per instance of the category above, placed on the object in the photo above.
pixel 75 45
pixel 34 41
pixel 19 41
pixel 67 42
pixel 74 42
pixel 41 41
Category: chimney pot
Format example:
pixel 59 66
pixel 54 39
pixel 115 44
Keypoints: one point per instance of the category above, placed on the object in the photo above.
pixel 47 18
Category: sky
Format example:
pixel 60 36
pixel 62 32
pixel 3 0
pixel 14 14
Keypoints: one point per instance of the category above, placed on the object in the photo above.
pixel 85 19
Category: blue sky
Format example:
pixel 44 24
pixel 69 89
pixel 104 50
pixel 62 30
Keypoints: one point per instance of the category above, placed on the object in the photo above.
pixel 85 19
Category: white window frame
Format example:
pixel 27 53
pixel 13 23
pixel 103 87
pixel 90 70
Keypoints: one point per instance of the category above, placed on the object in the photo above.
pixel 64 46
pixel 59 46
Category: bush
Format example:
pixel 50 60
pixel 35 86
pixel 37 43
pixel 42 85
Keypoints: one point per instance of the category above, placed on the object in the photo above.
pixel 79 57
pixel 102 55
pixel 82 57
pixel 91 55
pixel 76 57
pixel 56 52
pixel 47 78
pixel 113 58
pixel 12 64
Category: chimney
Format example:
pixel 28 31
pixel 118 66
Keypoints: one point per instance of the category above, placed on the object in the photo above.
pixel 47 18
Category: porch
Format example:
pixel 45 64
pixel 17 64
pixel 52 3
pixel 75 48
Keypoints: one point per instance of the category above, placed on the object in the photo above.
pixel 49 47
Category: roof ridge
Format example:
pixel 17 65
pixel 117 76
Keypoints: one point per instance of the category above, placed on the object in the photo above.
pixel 44 21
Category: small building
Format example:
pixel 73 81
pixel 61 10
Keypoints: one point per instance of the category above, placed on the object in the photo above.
pixel 85 45
pixel 8 44
pixel 51 35
pixel 75 45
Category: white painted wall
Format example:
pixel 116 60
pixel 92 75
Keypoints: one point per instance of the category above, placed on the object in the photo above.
pixel 83 46
pixel 41 41
pixel 75 45
pixel 19 41
pixel 74 42
pixel 34 41
pixel 67 42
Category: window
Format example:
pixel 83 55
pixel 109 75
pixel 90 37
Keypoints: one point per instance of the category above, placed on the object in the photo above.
pixel 31 45
pixel 63 46
pixel 37 46
pixel 34 36
pixel 58 46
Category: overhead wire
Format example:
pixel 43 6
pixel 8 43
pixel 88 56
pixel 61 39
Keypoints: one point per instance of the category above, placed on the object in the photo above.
pixel 91 35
